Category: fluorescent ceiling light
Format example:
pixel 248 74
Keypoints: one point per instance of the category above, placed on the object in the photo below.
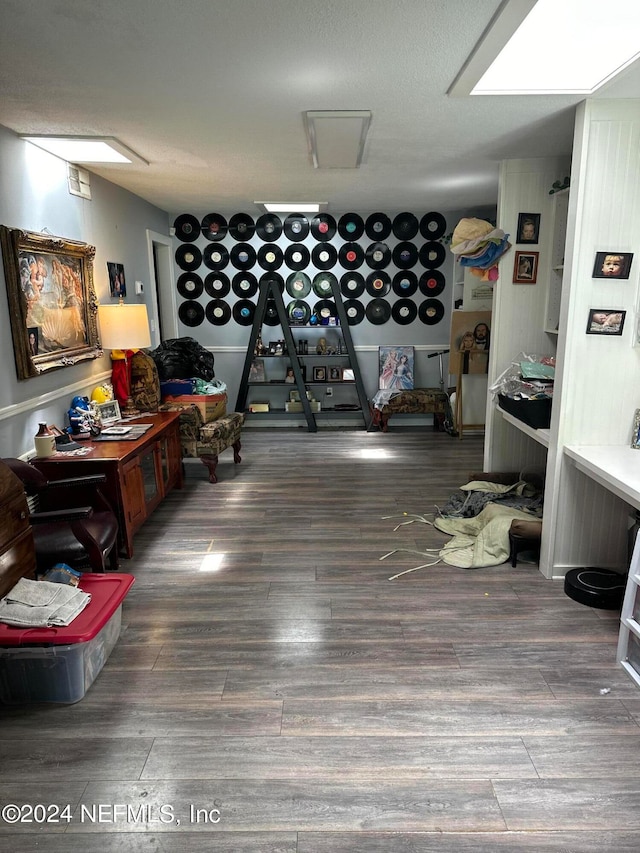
pixel 551 47
pixel 292 206
pixel 87 149
pixel 337 137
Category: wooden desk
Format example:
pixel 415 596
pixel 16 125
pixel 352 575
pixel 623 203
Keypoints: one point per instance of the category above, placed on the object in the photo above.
pixel 139 473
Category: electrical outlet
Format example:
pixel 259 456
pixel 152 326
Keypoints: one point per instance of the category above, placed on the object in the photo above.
pixel 329 392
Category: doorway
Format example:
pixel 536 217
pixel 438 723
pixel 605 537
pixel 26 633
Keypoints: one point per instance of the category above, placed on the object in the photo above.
pixel 162 301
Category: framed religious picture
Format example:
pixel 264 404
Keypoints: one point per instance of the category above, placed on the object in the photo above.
pixel 528 228
pixel 525 268
pixel 52 301
pixel 612 265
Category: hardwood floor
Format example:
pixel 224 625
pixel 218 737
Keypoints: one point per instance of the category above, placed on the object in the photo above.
pixel 273 692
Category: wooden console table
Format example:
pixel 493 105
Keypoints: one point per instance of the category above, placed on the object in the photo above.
pixel 139 473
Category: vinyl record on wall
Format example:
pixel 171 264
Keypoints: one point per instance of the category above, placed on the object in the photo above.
pixel 217 284
pixel 187 228
pixel 432 226
pixel 324 309
pixel 350 226
pixel 297 257
pixel 354 309
pixel 298 285
pixel 190 285
pixel 352 285
pixel 191 313
pixel 298 312
pixel 324 256
pixel 241 227
pixel 270 257
pixel 378 283
pixel 214 226
pixel 244 285
pixel 431 311
pixel 404 311
pixel 243 256
pixel 218 312
pixel 405 255
pixel 322 284
pixel 271 313
pixel 432 255
pixel 269 227
pixel 323 227
pixel 378 226
pixel 431 283
pixel 188 257
pixel 216 257
pixel 378 311
pixel 243 312
pixel 405 283
pixel 275 277
pixel 378 256
pixel 405 226
pixel 296 227
pixel 351 256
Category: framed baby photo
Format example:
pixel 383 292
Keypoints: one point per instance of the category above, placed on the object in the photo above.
pixel 604 321
pixel 612 265
pixel 525 268
pixel 319 374
pixel 528 228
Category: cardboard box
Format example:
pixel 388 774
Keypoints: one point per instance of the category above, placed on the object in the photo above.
pixel 258 406
pixel 212 406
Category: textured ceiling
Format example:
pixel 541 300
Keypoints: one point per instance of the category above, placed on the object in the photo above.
pixel 212 92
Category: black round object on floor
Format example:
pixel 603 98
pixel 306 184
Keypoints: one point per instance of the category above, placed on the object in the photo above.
pixel 601 588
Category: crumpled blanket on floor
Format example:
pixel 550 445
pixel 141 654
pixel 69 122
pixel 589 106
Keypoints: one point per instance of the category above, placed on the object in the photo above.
pixel 478 493
pixel 42 604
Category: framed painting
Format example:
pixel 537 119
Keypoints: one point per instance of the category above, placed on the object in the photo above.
pixel 395 368
pixel 52 301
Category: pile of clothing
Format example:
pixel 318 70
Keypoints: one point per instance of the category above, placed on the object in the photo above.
pixel 478 244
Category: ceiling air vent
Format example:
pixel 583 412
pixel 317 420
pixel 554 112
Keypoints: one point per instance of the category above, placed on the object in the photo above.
pixel 78 181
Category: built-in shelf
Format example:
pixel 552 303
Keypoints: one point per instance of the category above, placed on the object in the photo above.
pixel 540 435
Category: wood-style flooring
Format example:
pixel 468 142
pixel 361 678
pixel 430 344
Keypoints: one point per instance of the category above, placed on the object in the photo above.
pixel 273 692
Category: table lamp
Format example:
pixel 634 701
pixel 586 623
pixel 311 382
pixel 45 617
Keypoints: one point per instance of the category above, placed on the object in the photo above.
pixel 124 327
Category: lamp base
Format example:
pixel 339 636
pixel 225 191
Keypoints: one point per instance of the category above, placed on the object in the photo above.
pixel 129 409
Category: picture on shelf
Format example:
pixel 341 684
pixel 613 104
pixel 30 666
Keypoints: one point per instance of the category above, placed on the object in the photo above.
pixel 395 368
pixel 335 374
pixel 108 413
pixel 603 321
pixel 348 374
pixel 528 227
pixel 319 374
pixel 612 265
pixel 289 375
pixel 525 268
pixel 256 371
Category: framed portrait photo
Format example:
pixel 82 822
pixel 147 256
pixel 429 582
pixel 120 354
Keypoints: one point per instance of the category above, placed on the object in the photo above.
pixel 108 413
pixel 525 268
pixel 319 373
pixel 117 284
pixel 605 321
pixel 612 265
pixel 335 374
pixel 528 228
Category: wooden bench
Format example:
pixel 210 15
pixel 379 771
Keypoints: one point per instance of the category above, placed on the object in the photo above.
pixel 430 401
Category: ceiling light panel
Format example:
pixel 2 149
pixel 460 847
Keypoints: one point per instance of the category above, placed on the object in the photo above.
pixel 87 149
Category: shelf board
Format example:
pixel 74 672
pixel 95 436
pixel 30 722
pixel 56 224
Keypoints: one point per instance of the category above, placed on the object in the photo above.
pixel 542 436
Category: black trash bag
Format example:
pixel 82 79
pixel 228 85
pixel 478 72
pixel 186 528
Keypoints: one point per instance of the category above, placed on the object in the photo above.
pixel 183 358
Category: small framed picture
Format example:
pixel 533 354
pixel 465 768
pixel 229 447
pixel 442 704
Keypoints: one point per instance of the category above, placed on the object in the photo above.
pixel 117 284
pixel 335 374
pixel 525 268
pixel 635 431
pixel 348 375
pixel 108 413
pixel 319 374
pixel 294 396
pixel 256 371
pixel 604 321
pixel 528 227
pixel 612 265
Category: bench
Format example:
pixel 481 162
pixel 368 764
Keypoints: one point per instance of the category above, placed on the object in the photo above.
pixel 431 401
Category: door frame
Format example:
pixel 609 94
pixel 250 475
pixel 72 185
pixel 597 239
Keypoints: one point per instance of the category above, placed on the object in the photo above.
pixel 162 298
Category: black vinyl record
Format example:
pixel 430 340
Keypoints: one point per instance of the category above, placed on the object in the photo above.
pixel 190 285
pixel 275 277
pixel 405 283
pixel 405 255
pixel 324 256
pixel 323 227
pixel 241 227
pixel 269 227
pixel 298 312
pixel 405 226
pixel 244 285
pixel 354 309
pixel 271 313
pixel 378 311
pixel 324 309
pixel 378 283
pixel 432 226
pixel 216 257
pixel 296 227
pixel 297 257
pixel 217 284
pixel 322 284
pixel 218 312
pixel 432 255
pixel 191 313
pixel 270 257
pixel 431 283
pixel 214 226
pixel 187 228
pixel 243 256
pixel 378 256
pixel 243 312
pixel 351 256
pixel 188 257
pixel 431 311
pixel 352 285
pixel 298 285
pixel 378 226
pixel 350 226
pixel 404 311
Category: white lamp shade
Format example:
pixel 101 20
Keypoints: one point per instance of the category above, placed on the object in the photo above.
pixel 124 326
